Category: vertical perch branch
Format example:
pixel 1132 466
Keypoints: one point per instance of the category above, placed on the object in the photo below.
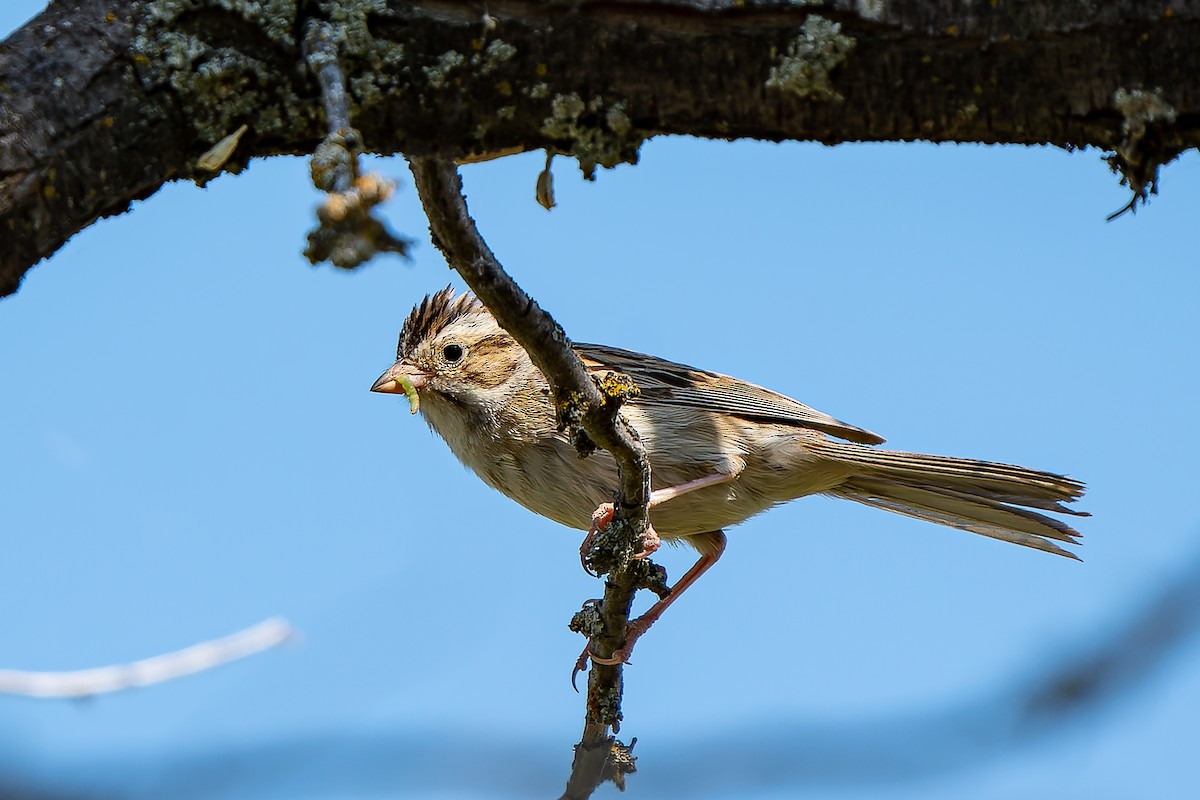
pixel 590 418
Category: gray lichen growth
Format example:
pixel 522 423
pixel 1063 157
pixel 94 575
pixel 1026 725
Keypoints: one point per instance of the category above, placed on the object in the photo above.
pixel 439 74
pixel 618 121
pixel 587 620
pixel 221 87
pixel 504 113
pixel 565 110
pixel 276 18
pixel 870 9
pixel 489 60
pixel 384 73
pixel 815 52
pixel 1146 142
pixel 350 19
pixel 374 66
pixel 608 706
pixel 217 85
pixel 1140 109
pixel 497 53
pixel 594 143
pixel 539 90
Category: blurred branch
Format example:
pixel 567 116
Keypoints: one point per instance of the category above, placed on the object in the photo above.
pixel 961 735
pixel 589 416
pixel 348 234
pixel 1117 663
pixel 177 664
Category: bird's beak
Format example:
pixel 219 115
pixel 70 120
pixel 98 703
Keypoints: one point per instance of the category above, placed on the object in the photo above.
pixel 391 381
pixel 402 378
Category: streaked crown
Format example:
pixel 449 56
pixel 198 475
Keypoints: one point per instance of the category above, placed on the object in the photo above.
pixel 433 314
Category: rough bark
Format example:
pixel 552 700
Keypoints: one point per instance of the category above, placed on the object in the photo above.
pixel 101 101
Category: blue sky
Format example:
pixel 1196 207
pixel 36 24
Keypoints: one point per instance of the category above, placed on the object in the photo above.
pixel 191 447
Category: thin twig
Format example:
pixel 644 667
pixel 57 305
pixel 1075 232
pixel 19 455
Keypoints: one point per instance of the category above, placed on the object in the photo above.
pixel 581 407
pixel 348 233
pixel 168 666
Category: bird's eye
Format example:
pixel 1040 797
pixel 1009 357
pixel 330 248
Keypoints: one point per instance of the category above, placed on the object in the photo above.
pixel 452 352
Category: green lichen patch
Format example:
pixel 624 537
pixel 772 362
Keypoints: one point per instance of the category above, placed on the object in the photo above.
pixel 217 85
pixel 497 53
pixel 811 56
pixel 349 17
pixel 1147 142
pixel 618 121
pixel 374 66
pixel 439 75
pixel 563 122
pixel 452 67
pixel 871 9
pixel 1141 109
pixel 587 620
pixel 595 132
pixel 276 18
pixel 606 703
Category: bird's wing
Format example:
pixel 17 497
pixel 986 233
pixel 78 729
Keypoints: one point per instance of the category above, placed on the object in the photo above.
pixel 664 382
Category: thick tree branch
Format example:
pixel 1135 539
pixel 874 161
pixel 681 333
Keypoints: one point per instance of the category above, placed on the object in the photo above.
pixel 101 101
pixel 589 415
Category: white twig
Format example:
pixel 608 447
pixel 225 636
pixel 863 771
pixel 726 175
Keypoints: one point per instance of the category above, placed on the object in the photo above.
pixel 168 666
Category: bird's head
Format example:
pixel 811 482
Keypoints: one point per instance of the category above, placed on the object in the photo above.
pixel 451 349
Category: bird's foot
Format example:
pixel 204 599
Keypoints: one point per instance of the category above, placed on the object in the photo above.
pixel 620 656
pixel 650 543
pixel 601 518
pixel 581 664
pixel 633 632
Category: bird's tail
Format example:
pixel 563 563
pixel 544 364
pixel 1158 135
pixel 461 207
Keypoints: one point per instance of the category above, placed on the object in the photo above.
pixel 978 496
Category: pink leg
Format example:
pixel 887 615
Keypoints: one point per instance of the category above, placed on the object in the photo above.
pixel 642 624
pixel 659 496
pixel 603 515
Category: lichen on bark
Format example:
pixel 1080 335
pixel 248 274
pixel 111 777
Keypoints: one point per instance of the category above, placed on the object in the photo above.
pixel 811 56
pixel 597 133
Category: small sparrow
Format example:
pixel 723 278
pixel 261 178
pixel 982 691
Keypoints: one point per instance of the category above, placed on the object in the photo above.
pixel 721 450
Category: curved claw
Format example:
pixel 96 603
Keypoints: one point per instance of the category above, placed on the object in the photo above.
pixel 581 665
pixel 601 517
pixel 650 544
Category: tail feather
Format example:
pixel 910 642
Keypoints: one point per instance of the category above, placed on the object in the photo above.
pixel 973 494
pixel 1020 482
pixel 982 497
pixel 954 521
